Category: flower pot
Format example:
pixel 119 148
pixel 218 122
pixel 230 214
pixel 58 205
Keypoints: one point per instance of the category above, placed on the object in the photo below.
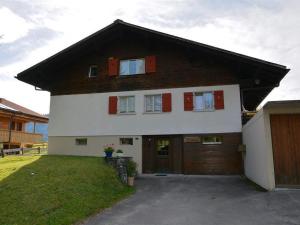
pixel 130 181
pixel 108 154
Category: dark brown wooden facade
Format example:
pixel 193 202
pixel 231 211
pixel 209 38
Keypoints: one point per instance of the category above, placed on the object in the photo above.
pixel 188 155
pixel 179 62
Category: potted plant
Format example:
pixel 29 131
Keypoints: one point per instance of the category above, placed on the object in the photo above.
pixel 119 153
pixel 109 149
pixel 131 172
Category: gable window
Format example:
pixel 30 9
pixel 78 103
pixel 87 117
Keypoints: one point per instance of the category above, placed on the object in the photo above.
pixel 81 141
pixel 93 71
pixel 203 101
pixel 153 103
pixel 126 141
pixel 132 66
pixel 126 104
pixel 211 140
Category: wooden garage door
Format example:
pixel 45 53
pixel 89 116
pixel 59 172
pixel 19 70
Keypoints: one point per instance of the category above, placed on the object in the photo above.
pixel 221 158
pixel 285 130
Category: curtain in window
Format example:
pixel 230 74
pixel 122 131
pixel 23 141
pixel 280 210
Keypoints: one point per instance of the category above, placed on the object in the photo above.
pixel 199 102
pixel 124 67
pixel 157 103
pixel 208 100
pixel 149 103
pixel 123 104
pixel 131 104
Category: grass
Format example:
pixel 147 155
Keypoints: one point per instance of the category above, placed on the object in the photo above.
pixel 56 190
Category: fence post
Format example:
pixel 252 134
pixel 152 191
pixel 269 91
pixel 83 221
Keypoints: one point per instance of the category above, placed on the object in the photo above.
pixel 22 150
pixel 2 153
pixel 39 149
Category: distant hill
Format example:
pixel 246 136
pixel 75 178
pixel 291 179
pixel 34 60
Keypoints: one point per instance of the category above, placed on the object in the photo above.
pixel 40 128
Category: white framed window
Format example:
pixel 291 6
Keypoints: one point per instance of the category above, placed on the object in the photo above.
pixel 81 141
pixel 153 103
pixel 126 104
pixel 126 141
pixel 132 66
pixel 212 140
pixel 93 71
pixel 203 101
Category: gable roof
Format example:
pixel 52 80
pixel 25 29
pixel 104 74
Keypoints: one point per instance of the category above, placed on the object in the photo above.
pixel 12 107
pixel 118 22
pixel 45 73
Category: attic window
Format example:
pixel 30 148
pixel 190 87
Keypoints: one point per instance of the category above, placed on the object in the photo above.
pixel 93 71
pixel 132 67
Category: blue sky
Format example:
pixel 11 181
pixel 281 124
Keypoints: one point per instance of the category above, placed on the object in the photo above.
pixel 34 30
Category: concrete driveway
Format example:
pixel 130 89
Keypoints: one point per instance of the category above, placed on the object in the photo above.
pixel 197 200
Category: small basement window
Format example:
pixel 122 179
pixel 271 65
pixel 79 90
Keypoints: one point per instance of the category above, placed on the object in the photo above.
pixel 126 141
pixel 211 140
pixel 81 141
pixel 132 66
pixel 93 71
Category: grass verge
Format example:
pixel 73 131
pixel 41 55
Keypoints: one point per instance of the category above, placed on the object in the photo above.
pixel 56 190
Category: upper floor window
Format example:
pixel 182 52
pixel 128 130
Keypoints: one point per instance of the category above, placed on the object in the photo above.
pixel 204 101
pixel 153 103
pixel 93 71
pixel 126 104
pixel 132 66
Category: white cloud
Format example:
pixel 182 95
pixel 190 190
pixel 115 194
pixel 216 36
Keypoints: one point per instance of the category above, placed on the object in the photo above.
pixel 12 26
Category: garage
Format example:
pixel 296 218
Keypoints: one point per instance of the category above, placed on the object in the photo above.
pixel 272 141
pixel 285 133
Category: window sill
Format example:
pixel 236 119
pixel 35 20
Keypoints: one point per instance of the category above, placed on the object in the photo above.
pixel 212 143
pixel 153 112
pixel 206 110
pixel 129 113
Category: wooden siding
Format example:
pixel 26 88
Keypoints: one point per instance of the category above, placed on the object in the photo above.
pixel 214 158
pixel 195 157
pixel 175 67
pixel 285 130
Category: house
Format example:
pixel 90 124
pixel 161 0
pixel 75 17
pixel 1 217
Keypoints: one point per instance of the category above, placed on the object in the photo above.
pixel 272 139
pixel 173 104
pixel 13 120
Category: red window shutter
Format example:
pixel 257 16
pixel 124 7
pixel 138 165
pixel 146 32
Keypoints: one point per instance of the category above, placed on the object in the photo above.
pixel 188 101
pixel 150 64
pixel 166 102
pixel 112 104
pixel 113 67
pixel 219 99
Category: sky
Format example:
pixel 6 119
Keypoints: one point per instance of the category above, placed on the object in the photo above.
pixel 31 31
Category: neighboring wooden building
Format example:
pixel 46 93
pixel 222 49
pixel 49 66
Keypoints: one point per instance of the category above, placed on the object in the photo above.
pixel 173 104
pixel 13 119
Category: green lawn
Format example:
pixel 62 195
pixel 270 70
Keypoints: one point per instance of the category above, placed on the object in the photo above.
pixel 48 190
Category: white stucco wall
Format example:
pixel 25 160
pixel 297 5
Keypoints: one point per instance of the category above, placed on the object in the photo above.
pixel 95 146
pixel 87 115
pixel 258 161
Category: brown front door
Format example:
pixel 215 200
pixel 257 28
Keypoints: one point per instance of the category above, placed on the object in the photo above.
pixel 285 130
pixel 162 155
